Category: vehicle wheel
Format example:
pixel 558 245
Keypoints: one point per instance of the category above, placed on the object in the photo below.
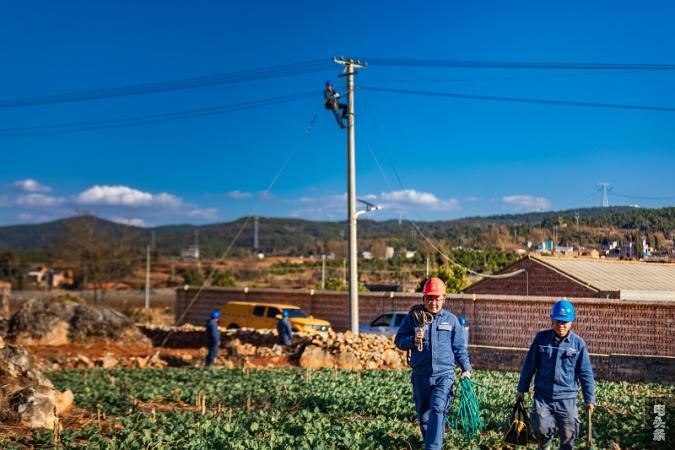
pixel 233 326
pixel 295 330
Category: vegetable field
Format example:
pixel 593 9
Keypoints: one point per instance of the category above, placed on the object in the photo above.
pixel 299 409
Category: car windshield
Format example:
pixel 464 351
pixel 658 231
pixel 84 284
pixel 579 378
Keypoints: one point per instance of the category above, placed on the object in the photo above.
pixel 296 313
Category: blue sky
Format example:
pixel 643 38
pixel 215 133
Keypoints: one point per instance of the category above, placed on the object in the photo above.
pixel 453 157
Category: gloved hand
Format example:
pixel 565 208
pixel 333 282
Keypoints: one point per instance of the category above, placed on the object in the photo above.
pixel 466 374
pixel 520 395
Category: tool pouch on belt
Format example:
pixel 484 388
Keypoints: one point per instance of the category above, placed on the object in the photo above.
pixel 519 432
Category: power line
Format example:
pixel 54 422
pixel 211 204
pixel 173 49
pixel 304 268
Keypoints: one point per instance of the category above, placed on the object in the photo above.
pixel 399 62
pixel 74 127
pixel 616 194
pixel 173 85
pixel 521 99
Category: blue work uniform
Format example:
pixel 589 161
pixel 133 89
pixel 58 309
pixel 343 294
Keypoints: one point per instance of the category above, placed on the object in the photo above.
pixel 212 341
pixel 433 370
pixel 558 365
pixel 285 332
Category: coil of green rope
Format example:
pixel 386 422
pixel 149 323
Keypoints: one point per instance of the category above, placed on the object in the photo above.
pixel 466 414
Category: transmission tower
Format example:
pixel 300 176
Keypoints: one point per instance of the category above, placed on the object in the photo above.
pixel 605 188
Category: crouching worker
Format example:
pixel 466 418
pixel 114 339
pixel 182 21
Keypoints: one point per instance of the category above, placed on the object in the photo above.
pixel 212 337
pixel 438 344
pixel 557 359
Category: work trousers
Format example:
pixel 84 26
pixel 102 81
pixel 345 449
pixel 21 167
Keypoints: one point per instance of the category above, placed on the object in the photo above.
pixel 211 356
pixel 433 396
pixel 546 412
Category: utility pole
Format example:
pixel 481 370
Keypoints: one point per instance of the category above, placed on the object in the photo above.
pixel 255 234
pixel 323 272
pixel 427 267
pixel 147 277
pixel 349 72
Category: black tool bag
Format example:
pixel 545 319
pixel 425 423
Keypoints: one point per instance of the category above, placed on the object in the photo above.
pixel 519 432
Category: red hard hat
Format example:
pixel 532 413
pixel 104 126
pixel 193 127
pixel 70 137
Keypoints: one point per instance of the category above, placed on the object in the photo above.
pixel 434 286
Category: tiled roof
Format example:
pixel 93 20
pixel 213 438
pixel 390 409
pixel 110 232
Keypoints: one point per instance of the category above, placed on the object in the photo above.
pixel 636 280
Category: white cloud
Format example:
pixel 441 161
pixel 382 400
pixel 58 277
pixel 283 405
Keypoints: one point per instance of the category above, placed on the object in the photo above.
pixel 124 196
pixel 39 200
pixel 238 195
pixel 410 199
pixel 206 213
pixel 526 202
pixel 30 185
pixel 130 221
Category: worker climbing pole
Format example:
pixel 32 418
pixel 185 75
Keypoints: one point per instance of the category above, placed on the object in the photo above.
pixel 349 72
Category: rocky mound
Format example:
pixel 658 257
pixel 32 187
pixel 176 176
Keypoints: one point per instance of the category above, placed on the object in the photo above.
pixel 310 350
pixel 49 322
pixel 27 397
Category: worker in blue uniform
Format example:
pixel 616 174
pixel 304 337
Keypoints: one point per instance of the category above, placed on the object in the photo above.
pixel 284 329
pixel 437 345
pixel 212 337
pixel 559 361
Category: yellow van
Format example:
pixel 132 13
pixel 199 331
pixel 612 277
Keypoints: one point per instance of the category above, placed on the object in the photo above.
pixel 264 315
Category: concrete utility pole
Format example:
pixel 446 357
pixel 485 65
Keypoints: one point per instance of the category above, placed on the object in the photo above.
pixel 147 278
pixel 349 72
pixel 323 272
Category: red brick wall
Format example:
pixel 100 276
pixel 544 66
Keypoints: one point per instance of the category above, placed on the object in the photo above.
pixel 539 280
pixel 607 325
pixel 615 367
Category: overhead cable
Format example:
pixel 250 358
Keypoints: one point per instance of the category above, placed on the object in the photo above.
pixel 173 85
pixel 375 61
pixel 436 245
pixel 520 99
pixel 74 127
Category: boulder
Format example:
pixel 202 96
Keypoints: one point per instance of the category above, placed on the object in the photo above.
pixel 47 322
pixel 38 406
pixel 393 359
pixel 27 396
pixel 348 360
pixel 314 357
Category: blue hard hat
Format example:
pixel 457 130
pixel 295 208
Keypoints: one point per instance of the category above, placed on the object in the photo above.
pixel 563 310
pixel 328 83
pixel 284 313
pixel 462 320
pixel 215 315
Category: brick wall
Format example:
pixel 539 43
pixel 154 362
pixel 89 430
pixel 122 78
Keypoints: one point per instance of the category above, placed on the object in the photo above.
pixel 538 280
pixel 608 326
pixel 615 367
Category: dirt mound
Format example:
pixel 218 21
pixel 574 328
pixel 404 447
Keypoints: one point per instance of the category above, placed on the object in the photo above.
pixel 45 322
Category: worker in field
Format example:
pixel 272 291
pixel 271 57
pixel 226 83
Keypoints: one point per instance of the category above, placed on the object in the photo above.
pixel 558 359
pixel 212 337
pixel 331 96
pixel 284 329
pixel 438 344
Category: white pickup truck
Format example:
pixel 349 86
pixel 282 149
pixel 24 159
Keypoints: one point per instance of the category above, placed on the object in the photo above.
pixel 386 324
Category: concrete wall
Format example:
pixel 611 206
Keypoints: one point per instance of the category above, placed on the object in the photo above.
pixel 608 326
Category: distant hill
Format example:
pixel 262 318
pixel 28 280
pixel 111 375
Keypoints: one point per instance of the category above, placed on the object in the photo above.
pixel 295 236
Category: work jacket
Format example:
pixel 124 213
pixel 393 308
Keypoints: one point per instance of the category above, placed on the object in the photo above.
pixel 558 367
pixel 212 333
pixel 444 345
pixel 285 332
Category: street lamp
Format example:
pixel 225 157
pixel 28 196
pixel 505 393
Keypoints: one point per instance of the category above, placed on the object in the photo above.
pixel 370 207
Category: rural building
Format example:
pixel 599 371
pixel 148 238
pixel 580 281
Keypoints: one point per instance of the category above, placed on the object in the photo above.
pixel 577 277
